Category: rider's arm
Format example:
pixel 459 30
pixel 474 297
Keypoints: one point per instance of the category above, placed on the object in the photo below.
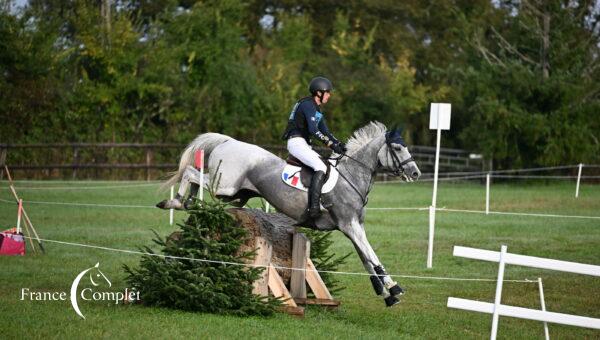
pixel 323 128
pixel 313 117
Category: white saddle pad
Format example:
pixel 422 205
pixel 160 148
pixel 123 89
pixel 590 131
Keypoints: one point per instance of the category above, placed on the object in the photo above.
pixel 291 176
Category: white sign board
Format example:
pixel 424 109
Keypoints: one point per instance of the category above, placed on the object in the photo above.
pixel 439 116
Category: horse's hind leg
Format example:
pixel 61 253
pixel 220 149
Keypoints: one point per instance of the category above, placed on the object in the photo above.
pixel 190 179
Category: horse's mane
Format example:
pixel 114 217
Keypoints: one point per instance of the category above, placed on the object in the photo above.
pixel 364 135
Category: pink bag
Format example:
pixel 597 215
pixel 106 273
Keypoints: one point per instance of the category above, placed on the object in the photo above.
pixel 12 243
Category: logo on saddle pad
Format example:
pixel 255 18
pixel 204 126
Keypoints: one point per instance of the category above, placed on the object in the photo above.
pixel 292 176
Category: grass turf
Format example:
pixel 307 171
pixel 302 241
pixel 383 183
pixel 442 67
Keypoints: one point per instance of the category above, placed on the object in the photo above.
pixel 399 237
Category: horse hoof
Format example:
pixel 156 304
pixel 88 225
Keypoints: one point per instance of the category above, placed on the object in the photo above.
pixel 170 204
pixel 162 204
pixel 391 300
pixel 396 290
pixel 189 204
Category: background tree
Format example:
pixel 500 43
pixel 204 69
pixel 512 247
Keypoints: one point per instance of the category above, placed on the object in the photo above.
pixel 521 75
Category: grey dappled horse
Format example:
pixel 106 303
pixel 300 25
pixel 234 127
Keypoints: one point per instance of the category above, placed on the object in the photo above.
pixel 247 170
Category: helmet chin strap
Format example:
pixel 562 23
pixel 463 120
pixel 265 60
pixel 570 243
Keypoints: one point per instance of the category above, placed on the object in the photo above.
pixel 320 95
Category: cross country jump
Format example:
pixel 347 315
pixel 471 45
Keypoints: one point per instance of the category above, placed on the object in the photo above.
pixel 245 170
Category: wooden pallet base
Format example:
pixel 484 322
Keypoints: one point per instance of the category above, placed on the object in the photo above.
pixel 305 273
pixel 319 302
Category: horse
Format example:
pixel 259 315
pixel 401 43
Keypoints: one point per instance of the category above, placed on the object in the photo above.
pixel 246 170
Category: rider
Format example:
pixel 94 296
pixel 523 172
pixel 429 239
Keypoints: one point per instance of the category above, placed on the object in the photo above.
pixel 306 121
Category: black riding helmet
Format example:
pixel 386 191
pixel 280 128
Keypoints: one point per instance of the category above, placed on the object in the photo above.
pixel 320 84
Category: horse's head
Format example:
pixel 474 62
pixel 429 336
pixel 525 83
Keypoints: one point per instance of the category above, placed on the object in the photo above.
pixel 394 157
pixel 95 272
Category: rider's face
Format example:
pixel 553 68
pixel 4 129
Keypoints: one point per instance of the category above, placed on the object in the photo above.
pixel 326 97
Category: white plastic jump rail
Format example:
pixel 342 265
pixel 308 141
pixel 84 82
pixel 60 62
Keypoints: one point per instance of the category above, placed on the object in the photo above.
pixel 527 261
pixel 497 309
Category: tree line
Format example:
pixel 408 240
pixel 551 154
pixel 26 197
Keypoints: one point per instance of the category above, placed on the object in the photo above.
pixel 522 75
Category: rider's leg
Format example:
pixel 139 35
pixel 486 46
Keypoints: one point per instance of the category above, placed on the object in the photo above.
pixel 314 198
pixel 298 147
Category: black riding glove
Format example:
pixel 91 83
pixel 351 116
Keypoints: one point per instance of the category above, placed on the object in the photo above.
pixel 339 148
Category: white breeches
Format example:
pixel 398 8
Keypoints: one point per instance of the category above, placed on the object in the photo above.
pixel 298 147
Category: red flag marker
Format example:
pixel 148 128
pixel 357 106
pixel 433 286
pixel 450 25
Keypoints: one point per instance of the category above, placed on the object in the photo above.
pixel 199 159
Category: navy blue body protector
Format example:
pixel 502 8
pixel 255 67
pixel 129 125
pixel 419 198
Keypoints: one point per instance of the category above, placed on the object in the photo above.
pixel 306 120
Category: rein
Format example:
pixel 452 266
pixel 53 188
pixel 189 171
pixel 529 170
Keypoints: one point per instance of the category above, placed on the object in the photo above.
pixel 398 169
pixel 364 199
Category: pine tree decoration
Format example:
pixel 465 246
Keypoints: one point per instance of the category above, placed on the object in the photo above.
pixel 209 234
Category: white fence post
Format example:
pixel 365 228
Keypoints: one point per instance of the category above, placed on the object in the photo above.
pixel 171 210
pixel 439 119
pixel 431 231
pixel 578 180
pixel 499 283
pixel 487 194
pixel 267 206
pixel 546 334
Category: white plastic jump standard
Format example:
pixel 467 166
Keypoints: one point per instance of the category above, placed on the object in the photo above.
pixel 487 194
pixel 19 213
pixel 497 309
pixel 439 119
pixel 543 304
pixel 499 282
pixel 527 261
pixel 578 180
pixel 524 313
pixel 199 164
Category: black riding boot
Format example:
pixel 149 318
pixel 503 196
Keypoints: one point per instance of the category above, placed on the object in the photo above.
pixel 314 195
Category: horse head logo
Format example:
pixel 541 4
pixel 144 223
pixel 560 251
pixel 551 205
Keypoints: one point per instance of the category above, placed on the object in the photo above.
pixel 94 272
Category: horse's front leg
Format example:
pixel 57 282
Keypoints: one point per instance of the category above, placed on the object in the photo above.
pixel 382 282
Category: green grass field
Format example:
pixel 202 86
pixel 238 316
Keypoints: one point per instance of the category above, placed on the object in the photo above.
pixel 399 238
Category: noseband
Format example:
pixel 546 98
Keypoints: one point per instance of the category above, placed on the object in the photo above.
pixel 398 165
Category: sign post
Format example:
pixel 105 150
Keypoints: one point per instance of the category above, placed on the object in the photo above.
pixel 578 180
pixel 439 119
pixel 487 194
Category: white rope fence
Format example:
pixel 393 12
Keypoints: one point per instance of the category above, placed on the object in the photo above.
pixel 97 205
pixel 136 252
pixel 71 187
pixel 517 213
pixel 77 204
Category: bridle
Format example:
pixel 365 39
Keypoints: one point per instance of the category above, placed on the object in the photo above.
pixel 398 167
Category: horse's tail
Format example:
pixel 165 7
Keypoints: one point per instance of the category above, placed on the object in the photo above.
pixel 206 142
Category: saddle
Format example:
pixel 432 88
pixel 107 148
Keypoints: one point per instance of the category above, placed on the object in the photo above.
pixel 299 175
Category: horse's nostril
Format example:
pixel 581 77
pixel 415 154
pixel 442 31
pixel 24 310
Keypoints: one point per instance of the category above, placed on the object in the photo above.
pixel 415 174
